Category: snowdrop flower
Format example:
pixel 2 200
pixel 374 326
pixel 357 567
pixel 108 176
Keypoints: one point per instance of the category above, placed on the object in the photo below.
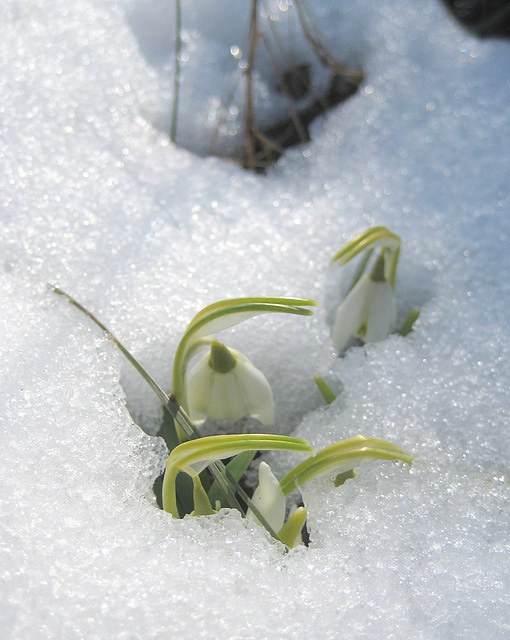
pixel 368 312
pixel 225 385
pixel 269 499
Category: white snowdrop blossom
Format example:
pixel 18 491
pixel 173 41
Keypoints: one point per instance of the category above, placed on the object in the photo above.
pixel 368 311
pixel 269 499
pixel 225 385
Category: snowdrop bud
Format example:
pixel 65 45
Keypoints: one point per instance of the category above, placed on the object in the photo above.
pixel 368 311
pixel 225 385
pixel 269 499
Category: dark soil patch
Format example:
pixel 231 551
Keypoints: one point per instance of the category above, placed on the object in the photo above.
pixel 271 143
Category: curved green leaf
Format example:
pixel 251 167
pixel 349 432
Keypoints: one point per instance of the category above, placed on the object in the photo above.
pixel 223 315
pixel 225 304
pixel 359 238
pixel 341 457
pixel 376 236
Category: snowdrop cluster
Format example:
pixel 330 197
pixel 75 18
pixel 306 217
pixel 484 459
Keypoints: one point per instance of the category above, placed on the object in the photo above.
pixel 223 384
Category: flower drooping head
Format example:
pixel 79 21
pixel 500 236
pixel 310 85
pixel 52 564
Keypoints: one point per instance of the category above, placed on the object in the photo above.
pixel 368 312
pixel 225 385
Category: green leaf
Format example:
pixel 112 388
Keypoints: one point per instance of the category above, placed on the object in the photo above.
pixel 194 455
pixel 234 302
pixel 167 431
pixel 361 237
pixel 218 469
pixel 290 531
pixel 341 457
pixel 343 477
pixel 324 388
pixel 202 506
pixel 376 236
pixel 408 323
pixel 223 315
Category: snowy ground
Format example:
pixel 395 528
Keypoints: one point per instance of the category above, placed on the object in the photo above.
pixel 95 198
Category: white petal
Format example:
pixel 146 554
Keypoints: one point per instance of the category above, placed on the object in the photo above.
pixel 199 386
pixel 382 316
pixel 255 390
pixel 269 499
pixel 229 403
pixel 352 312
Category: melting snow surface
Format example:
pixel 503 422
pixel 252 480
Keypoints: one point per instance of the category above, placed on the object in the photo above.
pixel 94 197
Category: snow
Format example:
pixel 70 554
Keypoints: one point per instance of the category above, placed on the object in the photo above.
pixel 144 233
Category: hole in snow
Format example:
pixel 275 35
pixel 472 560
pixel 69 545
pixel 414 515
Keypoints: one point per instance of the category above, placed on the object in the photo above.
pixel 250 79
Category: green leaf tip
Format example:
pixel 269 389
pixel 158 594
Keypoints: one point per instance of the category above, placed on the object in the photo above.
pixel 326 391
pixel 289 534
pixel 200 499
pixel 408 324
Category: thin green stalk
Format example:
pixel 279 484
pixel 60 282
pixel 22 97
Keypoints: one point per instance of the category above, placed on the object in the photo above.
pixel 249 115
pixel 177 70
pixel 224 479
